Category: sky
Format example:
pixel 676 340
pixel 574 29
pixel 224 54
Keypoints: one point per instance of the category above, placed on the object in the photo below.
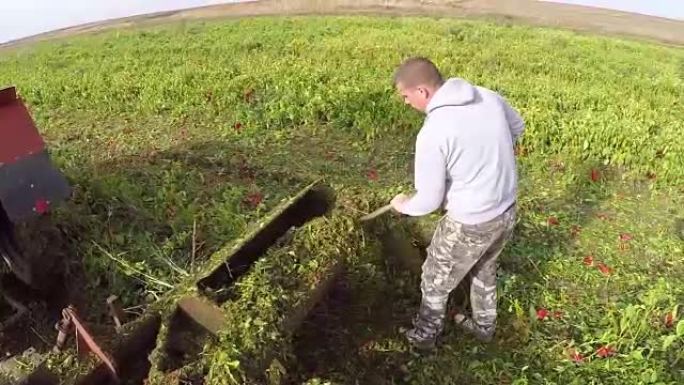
pixel 22 18
pixel 672 9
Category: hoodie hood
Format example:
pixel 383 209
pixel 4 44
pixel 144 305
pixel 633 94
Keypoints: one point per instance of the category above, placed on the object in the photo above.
pixel 454 92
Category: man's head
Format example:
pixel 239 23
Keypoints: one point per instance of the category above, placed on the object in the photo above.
pixel 417 79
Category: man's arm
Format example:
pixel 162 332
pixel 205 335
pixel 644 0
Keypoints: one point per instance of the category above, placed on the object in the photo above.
pixel 515 121
pixel 430 178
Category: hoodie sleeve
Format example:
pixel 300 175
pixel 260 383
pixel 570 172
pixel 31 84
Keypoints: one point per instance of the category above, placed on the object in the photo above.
pixel 515 121
pixel 430 177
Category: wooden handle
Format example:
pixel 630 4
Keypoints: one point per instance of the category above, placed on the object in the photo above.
pixel 377 212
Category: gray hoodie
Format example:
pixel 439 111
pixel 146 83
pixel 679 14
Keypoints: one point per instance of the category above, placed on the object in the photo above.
pixel 464 157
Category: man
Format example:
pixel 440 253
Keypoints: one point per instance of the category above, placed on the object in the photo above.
pixel 465 163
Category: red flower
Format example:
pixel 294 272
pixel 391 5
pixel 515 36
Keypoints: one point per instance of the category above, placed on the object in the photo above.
pixel 588 260
pixel 576 357
pixel 604 269
pixel 557 314
pixel 669 320
pixel 41 206
pixel 542 313
pixel 605 351
pixel 625 237
pixel 254 199
pixel 372 174
pixel 552 221
pixel 595 175
pixel 237 126
pixel 575 230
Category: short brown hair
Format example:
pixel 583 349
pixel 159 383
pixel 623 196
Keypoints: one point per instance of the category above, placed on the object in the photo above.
pixel 416 71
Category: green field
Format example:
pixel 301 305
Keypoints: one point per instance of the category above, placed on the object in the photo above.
pixel 177 137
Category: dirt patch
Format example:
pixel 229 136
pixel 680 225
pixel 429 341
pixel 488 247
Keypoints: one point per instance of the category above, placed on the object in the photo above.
pixel 574 17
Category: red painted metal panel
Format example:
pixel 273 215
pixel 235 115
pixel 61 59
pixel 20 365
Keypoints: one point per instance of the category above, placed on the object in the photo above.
pixel 19 136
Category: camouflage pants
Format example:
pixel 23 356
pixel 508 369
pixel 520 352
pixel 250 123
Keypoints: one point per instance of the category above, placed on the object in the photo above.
pixel 457 250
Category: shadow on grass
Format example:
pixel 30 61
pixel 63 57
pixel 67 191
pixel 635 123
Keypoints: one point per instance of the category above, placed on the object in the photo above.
pixel 353 336
pixel 147 205
pixel 134 208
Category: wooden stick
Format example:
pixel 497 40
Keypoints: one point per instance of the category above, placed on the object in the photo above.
pixel 377 212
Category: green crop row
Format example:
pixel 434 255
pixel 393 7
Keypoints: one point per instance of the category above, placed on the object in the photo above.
pixel 590 97
pixel 268 303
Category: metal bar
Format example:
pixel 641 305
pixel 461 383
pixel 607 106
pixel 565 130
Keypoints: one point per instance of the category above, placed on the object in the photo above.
pixel 63 327
pixel 207 315
pixel 90 342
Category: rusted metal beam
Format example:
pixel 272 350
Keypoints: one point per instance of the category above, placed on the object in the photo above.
pixel 205 314
pixel 71 322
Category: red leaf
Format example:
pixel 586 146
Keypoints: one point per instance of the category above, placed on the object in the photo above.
pixel 254 199
pixel 557 314
pixel 669 320
pixel 575 230
pixel 576 357
pixel 237 127
pixel 372 174
pixel 588 260
pixel 41 206
pixel 625 237
pixel 552 221
pixel 542 314
pixel 595 175
pixel 604 269
pixel 605 351
pixel 602 216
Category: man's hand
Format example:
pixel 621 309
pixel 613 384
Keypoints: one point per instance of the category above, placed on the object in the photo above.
pixel 398 201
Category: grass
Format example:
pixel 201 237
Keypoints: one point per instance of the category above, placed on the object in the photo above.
pixel 177 137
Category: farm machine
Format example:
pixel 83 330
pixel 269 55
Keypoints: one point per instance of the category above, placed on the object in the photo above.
pixel 162 342
pixel 29 186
